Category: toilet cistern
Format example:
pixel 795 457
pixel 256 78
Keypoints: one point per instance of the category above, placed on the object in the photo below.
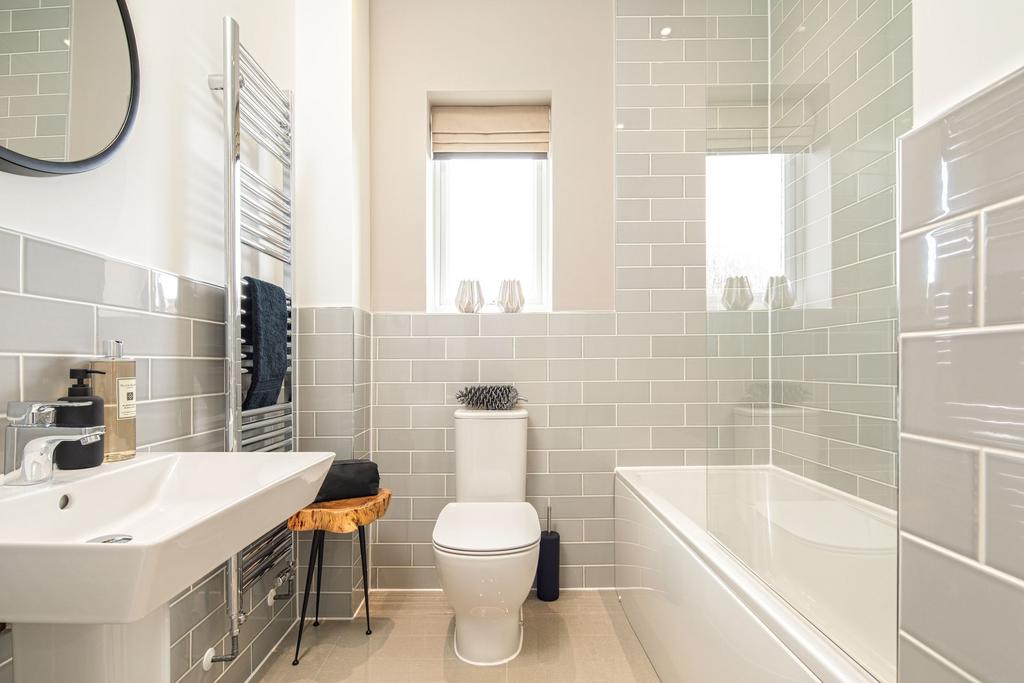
pixel 486 543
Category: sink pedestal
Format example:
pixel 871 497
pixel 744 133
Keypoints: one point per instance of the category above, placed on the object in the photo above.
pixel 95 653
pixel 92 612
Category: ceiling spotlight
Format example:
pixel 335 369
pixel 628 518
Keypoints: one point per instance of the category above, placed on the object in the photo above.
pixel 67 42
pixel 620 126
pixel 666 31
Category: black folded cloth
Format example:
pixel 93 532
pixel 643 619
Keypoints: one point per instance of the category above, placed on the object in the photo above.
pixel 266 329
pixel 349 479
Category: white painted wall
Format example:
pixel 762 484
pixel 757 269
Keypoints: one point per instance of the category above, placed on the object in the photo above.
pixel 565 48
pixel 332 153
pixel 158 202
pixel 960 47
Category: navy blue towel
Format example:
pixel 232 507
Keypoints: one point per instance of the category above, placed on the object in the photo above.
pixel 266 329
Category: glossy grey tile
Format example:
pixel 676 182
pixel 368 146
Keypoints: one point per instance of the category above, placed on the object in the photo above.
pixel 482 347
pixel 207 413
pixel 582 323
pixel 145 334
pixel 207 339
pixel 519 324
pixel 325 346
pixel 391 324
pixel 939 494
pixel 938 278
pixel 163 420
pixel 195 606
pixel 327 372
pixel 190 298
pixel 873 337
pixel 964 387
pixel 459 324
pixel 1004 277
pixel 10 261
pixel 45 326
pixel 186 377
pixel 966 159
pixel 972 618
pixel 333 320
pixel 63 273
pixel 46 377
pixel 10 380
pixel 916 665
pixel 410 348
pixel 318 398
pixel 1004 513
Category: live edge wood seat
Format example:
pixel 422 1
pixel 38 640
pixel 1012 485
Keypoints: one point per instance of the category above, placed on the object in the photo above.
pixel 341 516
pixel 337 517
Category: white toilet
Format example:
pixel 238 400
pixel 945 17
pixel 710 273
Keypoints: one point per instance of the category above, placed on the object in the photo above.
pixel 486 543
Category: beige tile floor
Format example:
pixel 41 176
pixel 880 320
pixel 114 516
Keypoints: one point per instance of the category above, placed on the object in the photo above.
pixel 584 636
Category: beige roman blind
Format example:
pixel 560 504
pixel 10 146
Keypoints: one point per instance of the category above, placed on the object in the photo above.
pixel 509 130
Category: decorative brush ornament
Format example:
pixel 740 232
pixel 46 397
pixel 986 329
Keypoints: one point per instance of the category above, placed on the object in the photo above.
pixel 489 397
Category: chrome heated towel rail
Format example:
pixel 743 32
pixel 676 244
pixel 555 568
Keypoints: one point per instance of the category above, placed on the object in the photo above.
pixel 258 157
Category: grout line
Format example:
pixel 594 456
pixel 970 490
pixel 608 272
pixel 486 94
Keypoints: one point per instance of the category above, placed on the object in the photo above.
pixel 945 221
pixel 981 250
pixel 22 248
pixel 1001 576
pixel 982 519
pixel 963 331
pixel 936 655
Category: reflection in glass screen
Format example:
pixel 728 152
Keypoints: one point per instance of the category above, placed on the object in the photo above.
pixel 744 221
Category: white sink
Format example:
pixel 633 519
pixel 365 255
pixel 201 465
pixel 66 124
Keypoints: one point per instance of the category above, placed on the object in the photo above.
pixel 185 512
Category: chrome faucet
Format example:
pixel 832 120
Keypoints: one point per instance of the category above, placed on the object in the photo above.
pixel 32 437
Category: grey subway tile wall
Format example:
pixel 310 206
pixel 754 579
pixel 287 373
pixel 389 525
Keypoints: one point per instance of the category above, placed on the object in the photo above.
pixel 961 569
pixel 34 78
pixel 840 96
pixel 333 412
pixel 199 621
pixel 174 329
pixel 623 387
pixel 179 360
pixel 596 399
pixel 738 75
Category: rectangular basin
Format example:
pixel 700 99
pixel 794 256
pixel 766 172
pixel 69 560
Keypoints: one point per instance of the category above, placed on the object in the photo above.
pixel 185 513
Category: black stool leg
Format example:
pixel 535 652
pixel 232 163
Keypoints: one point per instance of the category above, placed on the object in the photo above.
pixel 366 578
pixel 317 538
pixel 319 575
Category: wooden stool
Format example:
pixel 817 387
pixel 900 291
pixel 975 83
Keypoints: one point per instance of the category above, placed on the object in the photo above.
pixel 338 517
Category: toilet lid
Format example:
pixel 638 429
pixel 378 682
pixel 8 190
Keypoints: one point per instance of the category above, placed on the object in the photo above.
pixel 486 527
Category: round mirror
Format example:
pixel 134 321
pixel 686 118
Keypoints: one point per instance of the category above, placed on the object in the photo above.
pixel 69 84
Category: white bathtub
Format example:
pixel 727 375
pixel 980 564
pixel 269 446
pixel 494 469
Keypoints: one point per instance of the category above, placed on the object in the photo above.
pixel 703 616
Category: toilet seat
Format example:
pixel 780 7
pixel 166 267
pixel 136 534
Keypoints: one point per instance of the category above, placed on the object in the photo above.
pixel 486 529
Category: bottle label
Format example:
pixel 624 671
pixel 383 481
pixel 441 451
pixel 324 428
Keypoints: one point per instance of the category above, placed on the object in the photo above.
pixel 125 398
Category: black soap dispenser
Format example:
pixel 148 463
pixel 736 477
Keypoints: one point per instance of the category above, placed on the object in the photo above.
pixel 72 455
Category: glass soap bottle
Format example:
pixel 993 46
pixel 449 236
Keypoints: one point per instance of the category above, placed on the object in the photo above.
pixel 117 388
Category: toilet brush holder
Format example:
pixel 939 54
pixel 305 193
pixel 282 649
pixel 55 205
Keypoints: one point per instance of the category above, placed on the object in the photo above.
pixel 547 564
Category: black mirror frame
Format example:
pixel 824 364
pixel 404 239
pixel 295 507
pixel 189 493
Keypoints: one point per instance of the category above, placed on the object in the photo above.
pixel 19 164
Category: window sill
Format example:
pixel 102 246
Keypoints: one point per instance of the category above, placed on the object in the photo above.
pixel 489 309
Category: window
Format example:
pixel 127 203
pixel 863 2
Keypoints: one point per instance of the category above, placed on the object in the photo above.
pixel 491 224
pixel 744 237
pixel 491 200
